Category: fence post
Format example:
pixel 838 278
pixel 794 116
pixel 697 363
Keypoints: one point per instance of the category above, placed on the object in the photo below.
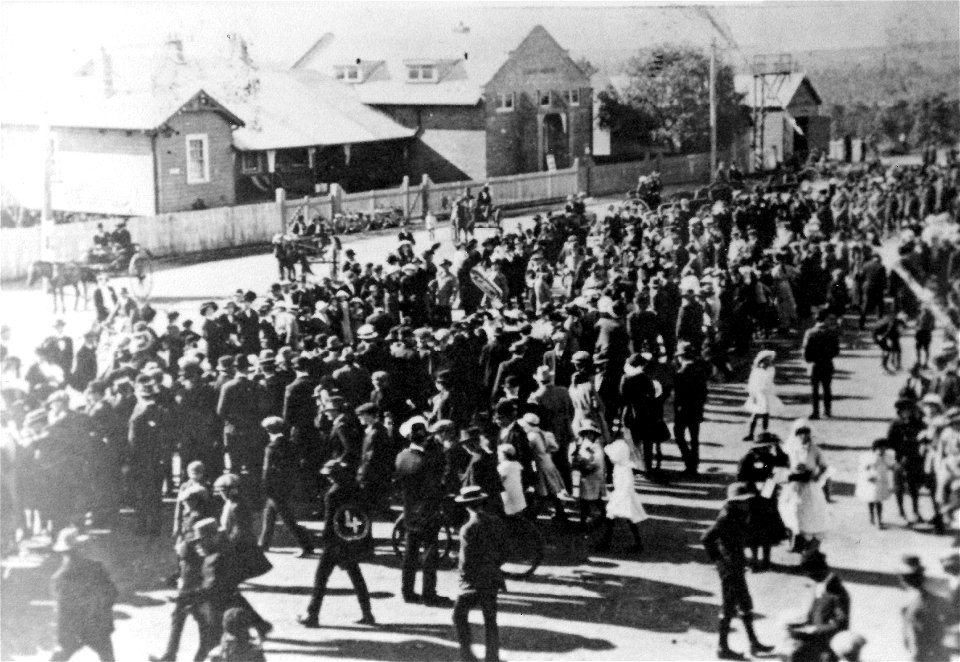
pixel 424 194
pixel 281 207
pixel 405 187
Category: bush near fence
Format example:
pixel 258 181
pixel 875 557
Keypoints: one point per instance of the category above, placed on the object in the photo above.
pixel 245 225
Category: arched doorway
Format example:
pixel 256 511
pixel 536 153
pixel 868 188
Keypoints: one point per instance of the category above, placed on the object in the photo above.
pixel 555 141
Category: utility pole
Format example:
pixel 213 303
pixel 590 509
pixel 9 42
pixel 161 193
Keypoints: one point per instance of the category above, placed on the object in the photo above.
pixel 713 109
pixel 46 214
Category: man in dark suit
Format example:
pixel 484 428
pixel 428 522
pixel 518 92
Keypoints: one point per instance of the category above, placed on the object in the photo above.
pixel 241 407
pixel 874 285
pixel 346 432
pixel 279 474
pixel 149 446
pixel 299 413
pixel 558 359
pixel 515 366
pixel 820 347
pixel 690 320
pixel 828 615
pixel 639 400
pixel 420 473
pixel 352 379
pixel 85 362
pixel 62 346
pixel 104 298
pixel 642 326
pixel 274 382
pixel 376 461
pixel 690 398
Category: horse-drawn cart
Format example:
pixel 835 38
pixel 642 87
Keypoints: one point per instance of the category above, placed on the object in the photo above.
pixel 135 264
pixel 292 249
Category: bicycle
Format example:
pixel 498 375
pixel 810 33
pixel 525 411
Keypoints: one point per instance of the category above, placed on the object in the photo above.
pixel 526 545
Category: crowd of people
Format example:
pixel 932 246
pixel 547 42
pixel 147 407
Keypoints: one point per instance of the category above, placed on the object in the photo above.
pixel 531 373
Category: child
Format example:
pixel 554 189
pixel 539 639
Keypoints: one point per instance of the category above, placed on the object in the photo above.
pixel 235 644
pixel 430 222
pixel 926 323
pixel 196 477
pixel 588 461
pixel 874 480
pixel 624 503
pixel 887 336
pixel 514 500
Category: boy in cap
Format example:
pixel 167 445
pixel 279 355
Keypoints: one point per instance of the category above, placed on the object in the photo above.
pixel 84 597
pixel 482 547
pixel 724 543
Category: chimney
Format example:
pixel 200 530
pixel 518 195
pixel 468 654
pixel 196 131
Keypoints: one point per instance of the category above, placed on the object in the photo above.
pixel 107 65
pixel 175 49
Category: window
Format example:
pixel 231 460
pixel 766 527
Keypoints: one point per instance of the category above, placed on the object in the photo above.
pixel 571 97
pixel 544 98
pixel 505 102
pixel 421 73
pixel 250 162
pixel 198 158
pixel 349 73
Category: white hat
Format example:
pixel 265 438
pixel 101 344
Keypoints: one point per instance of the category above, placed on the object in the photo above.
pixel 407 427
pixel 531 419
pixel 69 539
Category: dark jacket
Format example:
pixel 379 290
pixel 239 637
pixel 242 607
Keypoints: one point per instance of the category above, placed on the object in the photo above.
pixel 242 405
pixel 84 595
pixel 420 474
pixel 280 463
pixel 482 545
pixel 690 389
pixel 346 438
pixel 828 615
pixel 724 542
pixel 820 347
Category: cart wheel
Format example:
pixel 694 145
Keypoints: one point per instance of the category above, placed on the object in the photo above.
pixel 140 274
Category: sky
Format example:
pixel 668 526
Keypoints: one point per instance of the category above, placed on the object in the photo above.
pixel 37 38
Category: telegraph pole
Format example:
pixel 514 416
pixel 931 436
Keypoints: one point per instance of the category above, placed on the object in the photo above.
pixel 46 214
pixel 713 108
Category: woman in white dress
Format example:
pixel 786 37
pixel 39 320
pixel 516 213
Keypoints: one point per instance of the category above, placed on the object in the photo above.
pixel 803 504
pixel 762 397
pixel 624 502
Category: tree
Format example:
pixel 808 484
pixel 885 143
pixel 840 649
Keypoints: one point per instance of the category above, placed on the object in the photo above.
pixel 669 99
pixel 936 120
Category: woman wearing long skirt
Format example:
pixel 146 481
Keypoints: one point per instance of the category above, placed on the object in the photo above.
pixel 803 505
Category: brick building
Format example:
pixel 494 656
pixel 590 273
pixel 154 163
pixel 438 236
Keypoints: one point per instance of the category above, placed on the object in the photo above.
pixel 478 110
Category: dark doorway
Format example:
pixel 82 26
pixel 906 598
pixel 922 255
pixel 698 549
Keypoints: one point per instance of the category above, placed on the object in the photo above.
pixel 555 141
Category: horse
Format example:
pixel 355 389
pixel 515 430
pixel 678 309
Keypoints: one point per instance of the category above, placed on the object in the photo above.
pixel 60 275
pixel 462 220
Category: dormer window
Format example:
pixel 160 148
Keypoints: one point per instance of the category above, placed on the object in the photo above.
pixel 421 73
pixel 348 73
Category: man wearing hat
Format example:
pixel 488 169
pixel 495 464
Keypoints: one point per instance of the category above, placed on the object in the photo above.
pixel 352 379
pixel 346 529
pixel 450 402
pixel 345 438
pixel 758 467
pixel 420 469
pixel 482 545
pixel 444 288
pixel 150 447
pixel 242 406
pixel 377 459
pixel 274 382
pixel 62 348
pixel 923 617
pixel 690 399
pixel 213 332
pixel 820 347
pixel 828 615
pixel 724 542
pixel 280 463
pixel 197 402
pixel 553 405
pixel 85 362
pixel 639 398
pixel 106 451
pixel 84 595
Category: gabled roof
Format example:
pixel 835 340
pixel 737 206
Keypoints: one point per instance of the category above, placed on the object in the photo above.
pixel 600 81
pixel 89 108
pixel 778 91
pixel 274 108
pixel 467 60
pixel 305 108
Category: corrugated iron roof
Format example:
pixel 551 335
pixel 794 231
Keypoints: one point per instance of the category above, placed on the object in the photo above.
pixel 469 60
pixel 279 108
pixel 778 91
